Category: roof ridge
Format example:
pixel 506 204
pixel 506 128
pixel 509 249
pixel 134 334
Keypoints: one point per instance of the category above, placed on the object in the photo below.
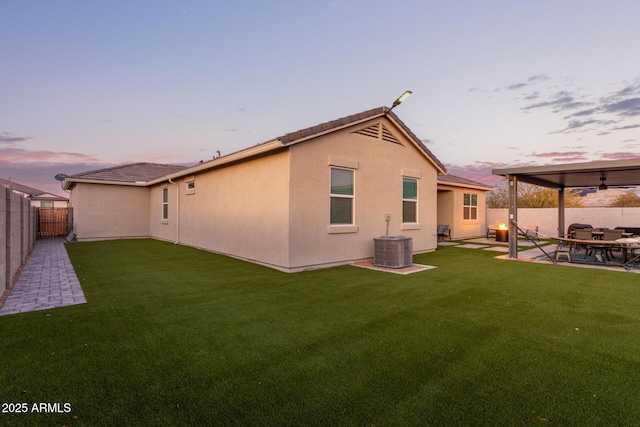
pixel 332 124
pixel 122 166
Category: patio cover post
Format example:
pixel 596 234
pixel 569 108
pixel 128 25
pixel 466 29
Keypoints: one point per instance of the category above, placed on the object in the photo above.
pixel 513 216
pixel 561 227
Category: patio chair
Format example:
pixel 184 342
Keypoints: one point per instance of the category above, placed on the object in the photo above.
pixel 584 234
pixel 611 235
pixel 576 226
pixel 444 231
pixel 531 232
pixel 491 232
pixel 633 257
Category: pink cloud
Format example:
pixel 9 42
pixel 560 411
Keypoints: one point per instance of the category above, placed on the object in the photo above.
pixel 555 154
pixel 563 156
pixel 480 172
pixel 18 155
pixel 619 156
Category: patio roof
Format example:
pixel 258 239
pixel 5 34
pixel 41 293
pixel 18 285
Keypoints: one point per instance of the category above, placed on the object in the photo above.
pixel 560 176
pixel 576 175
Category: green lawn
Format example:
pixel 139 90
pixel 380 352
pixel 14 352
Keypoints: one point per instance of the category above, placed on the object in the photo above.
pixel 176 336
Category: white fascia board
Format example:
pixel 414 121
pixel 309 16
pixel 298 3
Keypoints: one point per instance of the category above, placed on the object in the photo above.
pixel 67 182
pixel 470 186
pixel 230 158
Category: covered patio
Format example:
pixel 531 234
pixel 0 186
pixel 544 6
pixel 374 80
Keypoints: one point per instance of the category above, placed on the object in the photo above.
pixel 598 174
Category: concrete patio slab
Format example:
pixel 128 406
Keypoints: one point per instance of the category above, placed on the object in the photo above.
pixel 497 249
pixel 471 246
pixel 483 240
pixel 415 268
pixel 447 243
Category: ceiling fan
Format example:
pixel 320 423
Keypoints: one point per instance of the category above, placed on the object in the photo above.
pixel 602 185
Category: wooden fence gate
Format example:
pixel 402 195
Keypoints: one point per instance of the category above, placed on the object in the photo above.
pixel 55 222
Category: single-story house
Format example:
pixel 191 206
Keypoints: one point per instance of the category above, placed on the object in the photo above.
pixel 38 198
pixel 312 198
pixel 462 206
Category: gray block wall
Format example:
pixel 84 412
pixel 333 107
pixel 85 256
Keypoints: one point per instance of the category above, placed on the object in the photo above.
pixel 18 233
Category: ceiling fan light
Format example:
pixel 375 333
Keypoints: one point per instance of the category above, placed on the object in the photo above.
pixel 602 186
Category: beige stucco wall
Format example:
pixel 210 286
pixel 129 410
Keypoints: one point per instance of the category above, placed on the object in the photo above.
pixel 379 167
pixel 109 211
pixel 446 209
pixel 451 212
pixel 275 209
pixel 240 210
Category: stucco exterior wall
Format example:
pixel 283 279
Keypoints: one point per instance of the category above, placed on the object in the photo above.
pixel 451 212
pixel 446 209
pixel 110 211
pixel 379 168
pixel 274 209
pixel 240 210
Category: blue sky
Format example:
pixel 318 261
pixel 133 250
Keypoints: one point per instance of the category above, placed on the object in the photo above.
pixel 88 84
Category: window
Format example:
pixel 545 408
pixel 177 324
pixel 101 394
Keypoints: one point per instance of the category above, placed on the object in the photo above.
pixel 409 200
pixel 191 187
pixel 470 206
pixel 342 195
pixel 165 204
pixel 46 205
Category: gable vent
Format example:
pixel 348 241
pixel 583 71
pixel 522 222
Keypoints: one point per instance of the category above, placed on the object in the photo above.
pixel 372 131
pixel 388 136
pixel 375 131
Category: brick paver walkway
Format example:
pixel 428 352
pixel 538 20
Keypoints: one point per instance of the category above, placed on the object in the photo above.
pixel 46 281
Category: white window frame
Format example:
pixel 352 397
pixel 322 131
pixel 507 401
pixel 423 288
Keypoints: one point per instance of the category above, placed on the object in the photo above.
pixel 343 227
pixel 165 204
pixel 473 209
pixel 190 186
pixel 408 178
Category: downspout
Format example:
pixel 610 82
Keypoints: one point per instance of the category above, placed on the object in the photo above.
pixel 177 211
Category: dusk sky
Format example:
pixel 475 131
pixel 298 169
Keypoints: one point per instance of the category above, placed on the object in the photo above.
pixel 89 84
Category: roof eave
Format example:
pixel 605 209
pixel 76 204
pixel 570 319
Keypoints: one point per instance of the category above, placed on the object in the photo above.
pixel 461 185
pixel 256 150
pixel 334 129
pixel 68 182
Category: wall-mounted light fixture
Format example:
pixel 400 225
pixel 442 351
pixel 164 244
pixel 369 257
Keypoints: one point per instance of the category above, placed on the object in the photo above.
pixel 401 98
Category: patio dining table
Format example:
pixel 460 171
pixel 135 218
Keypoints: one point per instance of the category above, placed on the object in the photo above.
pixel 598 234
pixel 601 246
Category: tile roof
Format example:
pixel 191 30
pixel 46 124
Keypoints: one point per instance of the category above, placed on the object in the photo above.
pixel 456 180
pixel 135 172
pixel 144 172
pixel 327 126
pixel 291 137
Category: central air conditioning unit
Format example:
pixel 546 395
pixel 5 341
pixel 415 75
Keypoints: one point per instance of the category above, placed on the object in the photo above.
pixel 393 251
